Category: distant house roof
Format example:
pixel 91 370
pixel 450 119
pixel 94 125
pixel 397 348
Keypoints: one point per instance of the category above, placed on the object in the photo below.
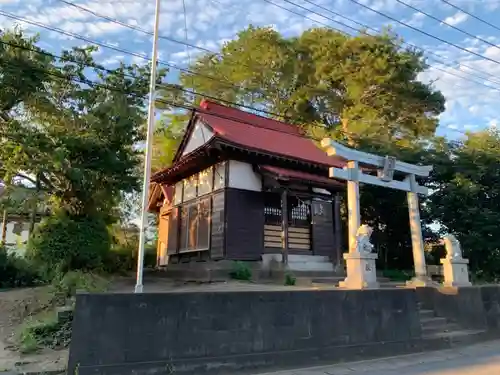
pixel 248 131
pixel 18 200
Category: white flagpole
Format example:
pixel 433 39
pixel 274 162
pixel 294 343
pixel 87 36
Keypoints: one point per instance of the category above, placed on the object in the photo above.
pixel 147 161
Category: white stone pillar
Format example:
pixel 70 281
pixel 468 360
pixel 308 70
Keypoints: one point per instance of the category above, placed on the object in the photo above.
pixel 417 242
pixel 353 208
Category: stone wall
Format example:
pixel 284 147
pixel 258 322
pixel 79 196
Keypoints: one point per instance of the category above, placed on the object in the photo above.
pixel 224 332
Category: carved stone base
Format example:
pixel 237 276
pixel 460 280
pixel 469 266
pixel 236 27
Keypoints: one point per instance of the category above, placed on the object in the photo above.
pixel 456 272
pixel 361 271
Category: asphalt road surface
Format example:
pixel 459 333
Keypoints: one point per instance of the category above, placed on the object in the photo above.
pixel 481 359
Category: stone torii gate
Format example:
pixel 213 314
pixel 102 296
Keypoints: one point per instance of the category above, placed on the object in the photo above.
pixel 363 273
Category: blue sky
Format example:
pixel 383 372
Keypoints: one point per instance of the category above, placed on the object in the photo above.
pixel 470 105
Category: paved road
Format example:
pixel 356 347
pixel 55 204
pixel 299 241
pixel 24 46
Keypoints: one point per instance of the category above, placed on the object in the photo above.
pixel 481 359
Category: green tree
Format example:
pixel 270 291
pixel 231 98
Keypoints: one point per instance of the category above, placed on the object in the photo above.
pixel 167 137
pixel 80 135
pixel 466 198
pixel 359 85
pixel 23 68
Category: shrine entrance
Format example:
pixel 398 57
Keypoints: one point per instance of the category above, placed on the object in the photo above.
pixel 298 223
pixel 390 173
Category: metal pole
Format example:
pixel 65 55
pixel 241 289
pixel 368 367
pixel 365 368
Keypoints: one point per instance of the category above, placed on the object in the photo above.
pixel 147 161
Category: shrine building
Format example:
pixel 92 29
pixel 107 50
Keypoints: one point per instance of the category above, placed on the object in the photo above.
pixel 250 188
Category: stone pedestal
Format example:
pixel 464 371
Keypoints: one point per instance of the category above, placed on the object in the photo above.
pixel 361 271
pixel 456 272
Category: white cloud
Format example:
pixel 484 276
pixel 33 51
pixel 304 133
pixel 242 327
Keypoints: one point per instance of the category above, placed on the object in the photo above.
pixel 416 20
pixel 456 19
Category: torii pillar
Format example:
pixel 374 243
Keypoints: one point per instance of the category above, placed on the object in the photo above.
pixel 386 166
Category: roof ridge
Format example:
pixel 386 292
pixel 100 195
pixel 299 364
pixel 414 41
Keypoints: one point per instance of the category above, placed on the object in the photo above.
pixel 214 108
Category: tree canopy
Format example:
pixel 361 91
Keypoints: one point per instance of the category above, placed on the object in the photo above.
pixel 360 85
pixel 77 127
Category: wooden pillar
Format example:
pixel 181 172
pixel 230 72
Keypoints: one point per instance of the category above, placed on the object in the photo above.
pixel 353 208
pixel 284 225
pixel 417 241
pixel 338 229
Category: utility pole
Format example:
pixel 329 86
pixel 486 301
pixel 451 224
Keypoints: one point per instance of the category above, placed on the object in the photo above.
pixel 147 161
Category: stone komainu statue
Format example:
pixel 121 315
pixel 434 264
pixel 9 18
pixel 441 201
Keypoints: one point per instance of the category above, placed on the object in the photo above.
pixel 363 244
pixel 453 248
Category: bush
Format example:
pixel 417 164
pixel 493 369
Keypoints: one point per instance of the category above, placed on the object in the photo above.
pixel 123 258
pixel 66 286
pixel 398 275
pixel 241 271
pixel 61 243
pixel 16 271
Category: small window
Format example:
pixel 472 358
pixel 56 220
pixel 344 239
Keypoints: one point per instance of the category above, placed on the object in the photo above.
pixel 190 187
pixel 219 176
pixel 178 193
pixel 205 181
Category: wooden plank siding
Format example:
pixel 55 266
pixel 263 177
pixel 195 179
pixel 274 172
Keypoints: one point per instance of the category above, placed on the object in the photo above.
pixel 217 248
pixel 173 231
pixel 245 221
pixel 323 238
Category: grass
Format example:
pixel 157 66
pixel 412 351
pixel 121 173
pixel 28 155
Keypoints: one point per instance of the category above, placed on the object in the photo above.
pixel 36 331
pixel 44 329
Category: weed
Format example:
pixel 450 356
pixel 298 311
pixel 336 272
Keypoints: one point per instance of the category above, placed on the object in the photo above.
pixel 241 271
pixel 290 280
pixel 44 330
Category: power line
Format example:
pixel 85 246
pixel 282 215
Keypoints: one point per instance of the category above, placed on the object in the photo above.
pixel 229 102
pixel 448 24
pixel 425 32
pixel 179 88
pixel 204 95
pixel 188 107
pixel 471 15
pixel 121 50
pixel 409 44
pixel 132 27
pixel 162 86
pixel 406 43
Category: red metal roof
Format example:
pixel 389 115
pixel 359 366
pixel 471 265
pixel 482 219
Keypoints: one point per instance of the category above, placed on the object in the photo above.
pixel 260 133
pixel 283 173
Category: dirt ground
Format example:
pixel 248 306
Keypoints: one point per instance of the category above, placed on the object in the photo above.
pixel 18 304
pixel 15 307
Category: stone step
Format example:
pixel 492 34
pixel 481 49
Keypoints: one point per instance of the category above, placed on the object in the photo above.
pixel 433 322
pixel 459 337
pixel 445 327
pixel 426 314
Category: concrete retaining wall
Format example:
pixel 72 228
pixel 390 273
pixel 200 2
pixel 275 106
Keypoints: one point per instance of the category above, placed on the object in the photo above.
pixel 223 332
pixel 476 307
